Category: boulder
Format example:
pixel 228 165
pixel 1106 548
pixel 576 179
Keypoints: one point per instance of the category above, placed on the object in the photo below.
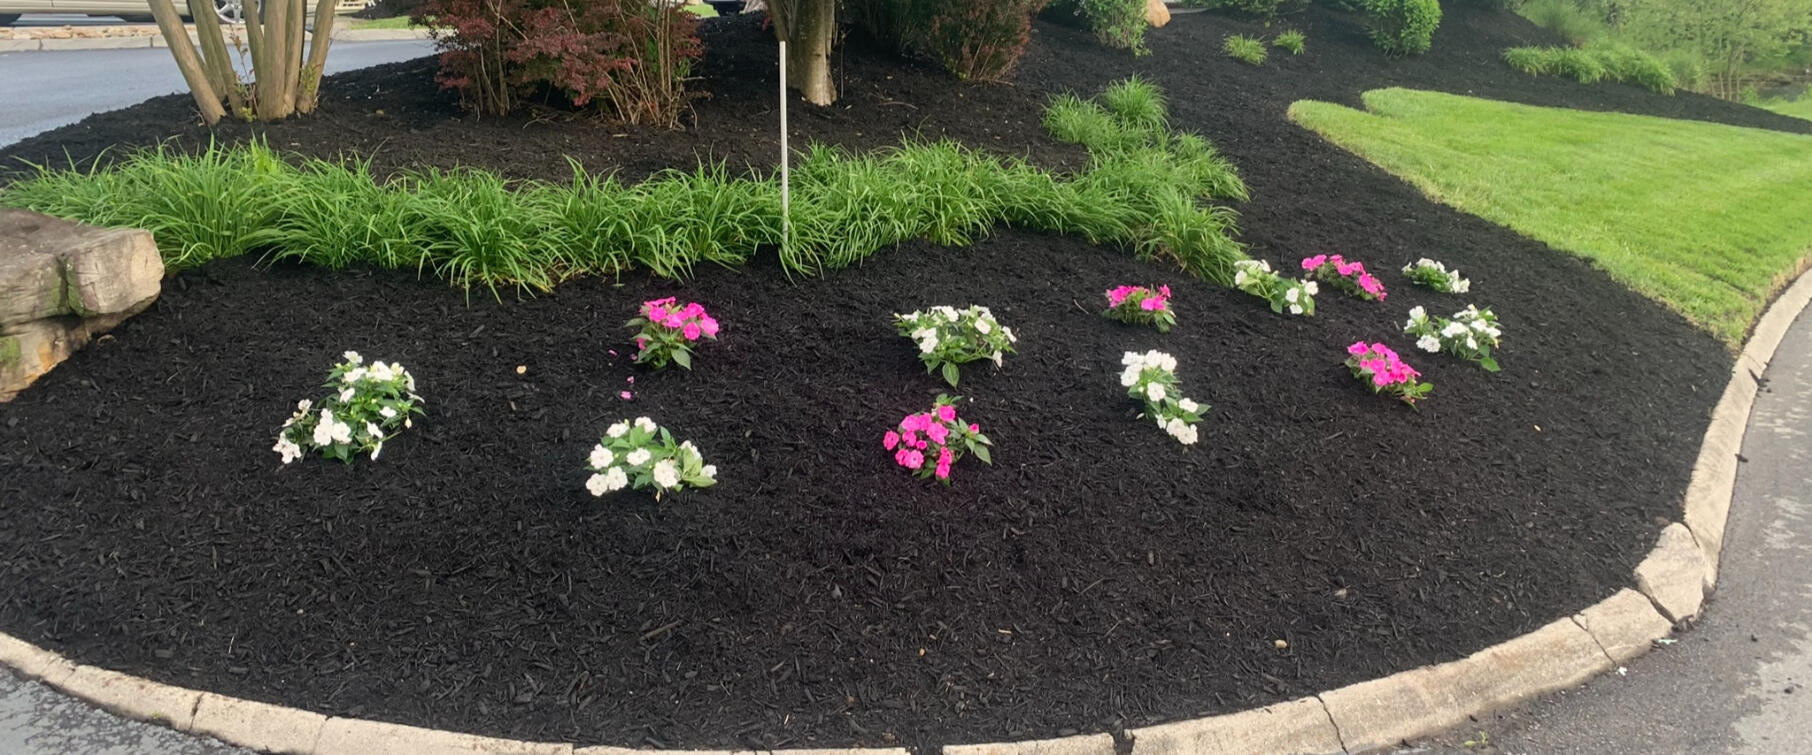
pixel 1157 12
pixel 63 283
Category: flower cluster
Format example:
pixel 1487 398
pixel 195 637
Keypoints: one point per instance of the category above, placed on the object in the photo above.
pixel 1141 306
pixel 1350 277
pixel 1383 371
pixel 641 454
pixel 929 442
pixel 1285 294
pixel 947 337
pixel 1470 334
pixel 368 403
pixel 1427 272
pixel 666 330
pixel 1151 377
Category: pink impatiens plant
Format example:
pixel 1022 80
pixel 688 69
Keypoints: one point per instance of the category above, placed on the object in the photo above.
pixel 928 443
pixel 1350 277
pixel 666 330
pixel 1141 306
pixel 1379 367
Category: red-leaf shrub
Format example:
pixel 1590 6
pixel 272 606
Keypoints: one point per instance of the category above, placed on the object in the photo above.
pixel 628 57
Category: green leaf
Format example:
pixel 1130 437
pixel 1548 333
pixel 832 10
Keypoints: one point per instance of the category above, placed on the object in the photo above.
pixel 981 452
pixel 1489 364
pixel 682 358
pixel 951 373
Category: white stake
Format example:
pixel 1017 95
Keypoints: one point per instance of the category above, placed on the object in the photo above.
pixel 786 215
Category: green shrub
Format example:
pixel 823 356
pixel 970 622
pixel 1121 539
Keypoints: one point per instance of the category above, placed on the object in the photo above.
pixel 1403 27
pixel 1565 18
pixel 1117 23
pixel 1291 41
pixel 1590 65
pixel 1244 49
pixel 975 41
pixel 1265 8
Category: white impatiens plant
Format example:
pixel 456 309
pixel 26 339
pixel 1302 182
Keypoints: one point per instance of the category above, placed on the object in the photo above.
pixel 1470 334
pixel 947 337
pixel 1151 377
pixel 640 454
pixel 368 405
pixel 1432 274
pixel 1290 295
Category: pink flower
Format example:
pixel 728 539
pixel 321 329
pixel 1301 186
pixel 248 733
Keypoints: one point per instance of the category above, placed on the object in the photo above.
pixel 915 422
pixel 626 395
pixel 942 471
pixel 974 428
pixel 899 457
pixel 1310 263
pixel 632 380
pixel 912 438
pixel 641 343
pixel 1357 348
pixel 945 457
pixel 1381 379
pixel 1164 290
pixel 1374 366
pixel 673 320
pixel 946 413
pixel 709 325
pixel 938 434
pixel 914 460
pixel 691 332
pixel 1152 304
pixel 890 440
pixel 1117 295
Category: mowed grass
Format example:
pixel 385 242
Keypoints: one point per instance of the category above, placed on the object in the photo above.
pixel 1800 108
pixel 1707 219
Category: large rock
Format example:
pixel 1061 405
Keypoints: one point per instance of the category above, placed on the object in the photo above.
pixel 1156 12
pixel 61 284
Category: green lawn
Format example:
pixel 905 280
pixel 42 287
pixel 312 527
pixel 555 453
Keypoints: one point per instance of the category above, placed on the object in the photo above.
pixel 1800 108
pixel 394 22
pixel 1707 219
pixel 701 10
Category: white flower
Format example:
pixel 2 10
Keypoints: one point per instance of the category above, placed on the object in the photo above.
pixel 924 333
pixel 407 422
pixel 1169 363
pixel 375 449
pixel 1008 332
pixel 1418 314
pixel 304 405
pixel 926 346
pixel 997 359
pixel 1312 288
pixel 1292 295
pixel 710 471
pixel 324 429
pixel 1130 376
pixel 689 449
pixel 666 474
pixel 601 457
pixel 1188 405
pixel 352 356
pixel 595 484
pixel 617 430
pixel 615 479
pixel 1460 285
pixel 346 395
pixel 646 424
pixel 1131 357
pixel 1155 391
pixel 1239 278
pixel 382 372
pixel 1479 325
pixel 374 431
pixel 353 375
pixel 1296 309
pixel 983 327
pixel 1472 343
pixel 1428 343
pixel 1453 330
pixel 287 449
pixel 342 433
pixel 387 413
pixel 1187 436
pixel 1154 359
pixel 638 457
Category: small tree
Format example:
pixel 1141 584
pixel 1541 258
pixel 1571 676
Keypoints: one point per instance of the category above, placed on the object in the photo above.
pixel 809 28
pixel 283 83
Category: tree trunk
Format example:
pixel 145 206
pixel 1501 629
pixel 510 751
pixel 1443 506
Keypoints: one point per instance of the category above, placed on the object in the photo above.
pixel 317 57
pixel 188 61
pixel 809 28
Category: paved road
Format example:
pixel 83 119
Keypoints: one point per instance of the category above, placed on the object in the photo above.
pixel 1740 682
pixel 44 90
pixel 71 19
pixel 36 720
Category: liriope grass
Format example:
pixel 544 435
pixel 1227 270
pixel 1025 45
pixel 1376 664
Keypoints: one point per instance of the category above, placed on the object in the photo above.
pixel 1594 63
pixel 1146 188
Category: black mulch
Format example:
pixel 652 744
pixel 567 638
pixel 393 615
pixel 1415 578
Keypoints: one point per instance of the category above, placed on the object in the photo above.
pixel 1099 576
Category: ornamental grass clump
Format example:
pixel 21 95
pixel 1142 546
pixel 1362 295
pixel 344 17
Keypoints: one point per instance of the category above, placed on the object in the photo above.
pixel 643 455
pixel 1255 277
pixel 1139 305
pixel 666 330
pixel 1470 334
pixel 1248 50
pixel 929 443
pixel 947 337
pixel 1291 41
pixel 365 408
pixel 1380 368
pixel 1151 377
pixel 1350 277
pixel 1432 274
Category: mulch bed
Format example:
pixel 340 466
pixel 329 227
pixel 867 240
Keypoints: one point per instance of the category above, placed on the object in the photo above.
pixel 1099 576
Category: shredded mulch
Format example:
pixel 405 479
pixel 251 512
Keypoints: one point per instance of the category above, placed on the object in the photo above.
pixel 1097 577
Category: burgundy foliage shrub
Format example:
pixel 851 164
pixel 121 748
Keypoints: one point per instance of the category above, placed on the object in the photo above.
pixel 629 58
pixel 978 40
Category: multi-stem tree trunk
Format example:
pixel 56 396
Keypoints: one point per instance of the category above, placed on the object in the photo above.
pixel 283 83
pixel 809 28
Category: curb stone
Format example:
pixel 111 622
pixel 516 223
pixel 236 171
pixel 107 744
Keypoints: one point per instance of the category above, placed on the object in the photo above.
pixel 1366 716
pixel 20 45
pixel 1086 744
pixel 1297 727
pixel 1383 712
pixel 133 697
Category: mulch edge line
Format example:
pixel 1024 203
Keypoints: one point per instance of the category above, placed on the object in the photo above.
pixel 1672 582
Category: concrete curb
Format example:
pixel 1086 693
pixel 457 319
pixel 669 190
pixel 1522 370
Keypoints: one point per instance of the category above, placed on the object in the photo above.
pixel 1672 584
pixel 155 40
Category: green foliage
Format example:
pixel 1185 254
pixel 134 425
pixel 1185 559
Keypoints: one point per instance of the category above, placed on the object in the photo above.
pixel 1265 8
pixel 1707 45
pixel 1590 65
pixel 1143 189
pixel 1707 219
pixel 1403 27
pixel 1118 24
pixel 1245 49
pixel 1566 18
pixel 975 41
pixel 1291 41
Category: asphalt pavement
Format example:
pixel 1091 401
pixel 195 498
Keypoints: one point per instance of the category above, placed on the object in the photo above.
pixel 42 90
